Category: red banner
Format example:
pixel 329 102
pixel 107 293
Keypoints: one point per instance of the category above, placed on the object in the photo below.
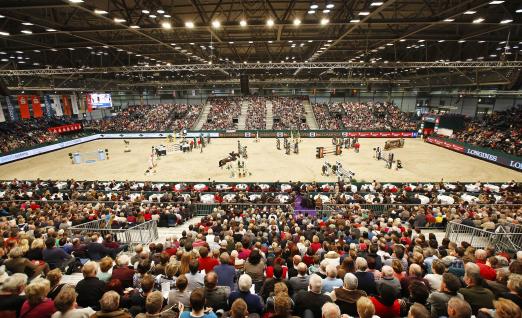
pixel 67 110
pixel 37 107
pixel 88 102
pixel 65 128
pixel 24 107
pixel 445 144
pixel 380 134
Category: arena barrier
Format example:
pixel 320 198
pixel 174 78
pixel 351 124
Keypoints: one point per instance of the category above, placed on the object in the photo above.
pixel 142 233
pixel 322 151
pixel 504 238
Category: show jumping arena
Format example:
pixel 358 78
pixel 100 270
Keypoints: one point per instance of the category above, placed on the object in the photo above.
pixel 420 161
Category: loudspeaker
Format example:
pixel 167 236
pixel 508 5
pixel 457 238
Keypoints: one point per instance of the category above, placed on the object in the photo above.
pixel 245 90
pixel 3 88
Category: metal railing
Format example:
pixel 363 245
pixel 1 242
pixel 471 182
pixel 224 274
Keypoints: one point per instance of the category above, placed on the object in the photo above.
pixel 142 233
pixel 502 239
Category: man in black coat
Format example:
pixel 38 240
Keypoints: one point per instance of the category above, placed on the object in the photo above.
pixel 90 289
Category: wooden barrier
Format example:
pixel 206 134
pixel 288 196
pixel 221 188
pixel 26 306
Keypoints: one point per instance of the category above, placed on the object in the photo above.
pixel 322 151
pixel 392 144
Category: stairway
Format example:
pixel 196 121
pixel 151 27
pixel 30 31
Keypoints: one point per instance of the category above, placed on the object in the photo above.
pixel 269 115
pixel 202 117
pixel 310 118
pixel 241 123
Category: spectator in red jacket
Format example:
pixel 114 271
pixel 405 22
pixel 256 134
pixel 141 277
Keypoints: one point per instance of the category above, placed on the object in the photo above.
pixel 206 262
pixel 486 271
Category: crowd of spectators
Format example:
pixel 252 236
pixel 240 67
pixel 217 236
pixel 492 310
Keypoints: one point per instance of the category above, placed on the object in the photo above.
pixel 328 115
pixel 363 116
pixel 28 133
pixel 147 118
pixel 499 130
pixel 289 113
pixel 256 115
pixel 258 262
pixel 224 113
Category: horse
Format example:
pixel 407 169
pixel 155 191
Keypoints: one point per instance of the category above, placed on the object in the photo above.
pixel 231 157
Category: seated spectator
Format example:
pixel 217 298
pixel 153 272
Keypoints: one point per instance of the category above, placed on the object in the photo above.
pixel 123 271
pixel 268 286
pixel 418 293
pixel 54 277
pixel 418 311
pixel 475 294
pixel 154 306
pixel 137 298
pixel 110 307
pixel 331 281
pixel 217 296
pixel 194 277
pixel 37 304
pixel 311 299
pixel 239 309
pixel 302 280
pixel 65 303
pixel 226 273
pixel 504 308
pixel 180 294
pixel 514 285
pixel 486 271
pixel 11 300
pixel 16 263
pixel 459 308
pixel 169 277
pixel 90 289
pixel 388 278
pixel 366 280
pixel 253 301
pixel 105 273
pixel 56 257
pixel 365 308
pixel 206 262
pixel 346 296
pixel 386 303
pixel 435 278
pixel 197 304
pixel 438 300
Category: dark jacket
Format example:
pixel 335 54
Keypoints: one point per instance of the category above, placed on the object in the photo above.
pixel 347 300
pixel 90 290
pixel 309 300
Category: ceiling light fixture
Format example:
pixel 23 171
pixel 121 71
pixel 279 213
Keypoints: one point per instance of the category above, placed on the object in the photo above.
pixel 330 6
pixel 27 31
pixel 376 3
pixel 364 13
pixel 441 41
pixel 314 6
pixel 355 21
pixel 297 21
pixel 505 21
pixel 75 1
pixel 326 11
pixel 189 24
pixel 449 20
pixel 478 20
pixel 497 2
pixel 145 11
pixel 325 21
pixel 160 11
pixel 216 24
pixel 462 41
pixel 152 16
pixel 119 20
pixel 166 15
pixel 27 23
pixel 243 23
pixel 100 11
pixel 470 12
pixel 166 25
pixel 311 11
pixel 134 27
pixel 270 22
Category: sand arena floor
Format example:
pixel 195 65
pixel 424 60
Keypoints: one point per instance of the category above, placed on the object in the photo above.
pixel 421 162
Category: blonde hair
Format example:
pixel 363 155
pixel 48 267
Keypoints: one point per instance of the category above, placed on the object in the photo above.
pixel 54 276
pixel 506 308
pixel 37 291
pixel 280 288
pixel 24 245
pixel 365 307
pixel 37 243
pixel 105 264
pixel 65 299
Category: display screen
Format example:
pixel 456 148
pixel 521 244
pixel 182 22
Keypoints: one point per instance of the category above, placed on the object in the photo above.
pixel 101 100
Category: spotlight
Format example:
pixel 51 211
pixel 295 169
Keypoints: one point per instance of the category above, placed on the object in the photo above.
pixel 270 22
pixel 325 21
pixel 189 24
pixel 166 25
pixel 243 23
pixel 216 24
pixel 297 21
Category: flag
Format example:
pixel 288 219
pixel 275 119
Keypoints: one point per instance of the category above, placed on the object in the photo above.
pixel 66 106
pixel 24 107
pixel 74 104
pixel 37 107
pixel 57 106
pixel 88 101
pixel 2 117
pixel 82 105
pixel 10 108
pixel 48 107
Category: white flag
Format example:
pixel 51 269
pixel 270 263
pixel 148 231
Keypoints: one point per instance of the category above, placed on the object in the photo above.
pixel 74 104
pixel 57 105
pixel 2 117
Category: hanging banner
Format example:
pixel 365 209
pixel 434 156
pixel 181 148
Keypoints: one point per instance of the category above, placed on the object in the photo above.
pixel 67 111
pixel 57 106
pixel 193 92
pixel 23 104
pixel 88 101
pixel 82 105
pixel 48 107
pixel 10 108
pixel 2 117
pixel 74 104
pixel 173 93
pixel 37 107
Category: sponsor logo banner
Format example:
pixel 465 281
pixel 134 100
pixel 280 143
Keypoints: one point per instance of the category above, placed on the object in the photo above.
pixel 65 128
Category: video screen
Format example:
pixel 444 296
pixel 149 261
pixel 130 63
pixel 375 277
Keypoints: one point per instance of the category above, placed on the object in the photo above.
pixel 101 100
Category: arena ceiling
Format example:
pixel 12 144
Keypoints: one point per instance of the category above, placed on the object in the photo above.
pixel 130 43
